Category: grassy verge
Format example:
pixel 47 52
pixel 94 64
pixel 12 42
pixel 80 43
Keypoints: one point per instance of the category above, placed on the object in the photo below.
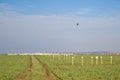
pixel 12 65
pixel 63 68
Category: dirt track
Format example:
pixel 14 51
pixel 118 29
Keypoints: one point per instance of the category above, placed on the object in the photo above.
pixel 47 74
pixel 26 73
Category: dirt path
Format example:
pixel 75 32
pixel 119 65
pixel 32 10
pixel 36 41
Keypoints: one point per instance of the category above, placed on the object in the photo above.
pixel 47 74
pixel 26 73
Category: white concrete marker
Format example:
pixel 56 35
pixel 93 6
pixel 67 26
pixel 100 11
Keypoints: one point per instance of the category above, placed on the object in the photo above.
pixel 91 60
pixel 82 60
pixel 72 60
pixel 110 59
pixel 96 60
pixel 66 56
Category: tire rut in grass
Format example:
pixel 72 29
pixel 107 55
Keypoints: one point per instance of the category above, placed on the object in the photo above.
pixel 26 73
pixel 48 75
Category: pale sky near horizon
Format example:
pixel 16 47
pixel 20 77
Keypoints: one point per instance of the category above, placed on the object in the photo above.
pixel 51 25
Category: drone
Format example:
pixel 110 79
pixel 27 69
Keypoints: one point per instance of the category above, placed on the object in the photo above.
pixel 77 24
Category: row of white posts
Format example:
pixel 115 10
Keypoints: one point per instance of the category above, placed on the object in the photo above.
pixel 82 58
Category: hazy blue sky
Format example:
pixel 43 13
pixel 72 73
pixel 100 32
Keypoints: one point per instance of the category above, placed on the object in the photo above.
pixel 51 25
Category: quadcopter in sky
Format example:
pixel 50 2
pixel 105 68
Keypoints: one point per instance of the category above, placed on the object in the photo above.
pixel 77 24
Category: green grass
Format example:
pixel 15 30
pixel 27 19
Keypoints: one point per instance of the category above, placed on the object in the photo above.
pixel 13 65
pixel 61 66
pixel 37 70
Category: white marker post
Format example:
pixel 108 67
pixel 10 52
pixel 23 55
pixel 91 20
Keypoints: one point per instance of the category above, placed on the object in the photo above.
pixel 82 60
pixel 110 59
pixel 91 60
pixel 72 60
pixel 101 60
pixel 66 56
pixel 96 60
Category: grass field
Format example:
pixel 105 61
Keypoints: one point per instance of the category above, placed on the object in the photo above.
pixel 59 67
